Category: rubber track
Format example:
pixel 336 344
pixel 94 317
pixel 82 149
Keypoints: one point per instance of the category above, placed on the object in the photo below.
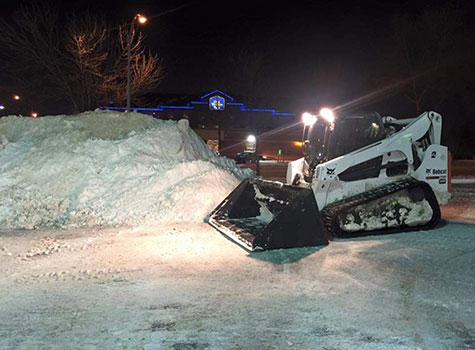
pixel 330 213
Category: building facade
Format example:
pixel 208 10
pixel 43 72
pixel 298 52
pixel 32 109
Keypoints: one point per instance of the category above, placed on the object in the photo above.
pixel 225 124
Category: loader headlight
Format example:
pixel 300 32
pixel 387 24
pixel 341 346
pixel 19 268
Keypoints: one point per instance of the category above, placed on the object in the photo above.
pixel 309 119
pixel 328 115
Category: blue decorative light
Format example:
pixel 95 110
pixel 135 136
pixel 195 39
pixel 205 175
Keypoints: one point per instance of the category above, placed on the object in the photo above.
pixel 257 110
pixel 177 107
pixel 214 92
pixel 284 114
pixel 217 103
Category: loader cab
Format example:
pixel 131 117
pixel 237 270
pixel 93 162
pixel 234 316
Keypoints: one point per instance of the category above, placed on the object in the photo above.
pixel 314 140
pixel 349 133
pixel 354 131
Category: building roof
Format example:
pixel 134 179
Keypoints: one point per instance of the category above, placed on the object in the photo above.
pixel 188 102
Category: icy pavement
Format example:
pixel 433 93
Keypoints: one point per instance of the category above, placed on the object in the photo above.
pixel 462 204
pixel 184 286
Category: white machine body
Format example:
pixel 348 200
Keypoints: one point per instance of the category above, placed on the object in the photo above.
pixel 416 145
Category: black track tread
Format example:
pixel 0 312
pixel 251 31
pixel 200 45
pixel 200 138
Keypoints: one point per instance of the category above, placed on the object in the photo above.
pixel 330 213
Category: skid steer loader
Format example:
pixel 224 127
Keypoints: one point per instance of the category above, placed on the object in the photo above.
pixel 361 174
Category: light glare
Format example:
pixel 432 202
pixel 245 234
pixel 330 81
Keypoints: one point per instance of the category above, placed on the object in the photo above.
pixel 141 19
pixel 16 97
pixel 328 115
pixel 309 119
pixel 251 139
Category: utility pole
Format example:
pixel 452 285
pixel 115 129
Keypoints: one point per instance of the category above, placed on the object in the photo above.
pixel 129 74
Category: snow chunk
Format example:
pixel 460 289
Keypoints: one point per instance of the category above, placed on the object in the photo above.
pixel 107 168
pixel 443 197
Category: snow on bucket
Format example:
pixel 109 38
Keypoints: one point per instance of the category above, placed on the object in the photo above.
pixel 262 215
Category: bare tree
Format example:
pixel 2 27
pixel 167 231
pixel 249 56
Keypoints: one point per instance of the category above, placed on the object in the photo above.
pixel 147 68
pixel 428 49
pixel 76 59
pixel 87 51
pixel 247 68
pixel 31 44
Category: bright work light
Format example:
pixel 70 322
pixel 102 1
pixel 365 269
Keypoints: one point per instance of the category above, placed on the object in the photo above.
pixel 328 115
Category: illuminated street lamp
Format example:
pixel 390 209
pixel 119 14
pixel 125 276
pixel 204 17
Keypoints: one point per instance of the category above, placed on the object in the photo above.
pixel 253 147
pixel 141 20
pixel 2 107
pixel 34 115
pixel 16 97
pixel 251 143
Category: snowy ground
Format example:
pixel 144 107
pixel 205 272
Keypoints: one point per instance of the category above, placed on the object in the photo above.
pixel 184 286
pixel 73 285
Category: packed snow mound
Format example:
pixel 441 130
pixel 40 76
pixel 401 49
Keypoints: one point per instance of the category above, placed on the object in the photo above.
pixel 107 168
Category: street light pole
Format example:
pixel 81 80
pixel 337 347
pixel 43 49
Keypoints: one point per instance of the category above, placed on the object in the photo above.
pixel 130 34
pixel 129 73
pixel 257 157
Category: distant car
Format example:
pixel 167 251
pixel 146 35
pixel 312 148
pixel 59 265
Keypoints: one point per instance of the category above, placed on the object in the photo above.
pixel 244 157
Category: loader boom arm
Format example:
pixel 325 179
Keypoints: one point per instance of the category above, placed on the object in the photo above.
pixel 407 148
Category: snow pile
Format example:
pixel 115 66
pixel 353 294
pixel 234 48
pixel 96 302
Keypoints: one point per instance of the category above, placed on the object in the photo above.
pixel 106 168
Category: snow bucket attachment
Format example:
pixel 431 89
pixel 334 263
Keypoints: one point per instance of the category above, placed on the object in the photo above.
pixel 262 215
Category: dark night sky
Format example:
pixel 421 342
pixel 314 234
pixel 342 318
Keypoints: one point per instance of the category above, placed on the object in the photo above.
pixel 314 51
